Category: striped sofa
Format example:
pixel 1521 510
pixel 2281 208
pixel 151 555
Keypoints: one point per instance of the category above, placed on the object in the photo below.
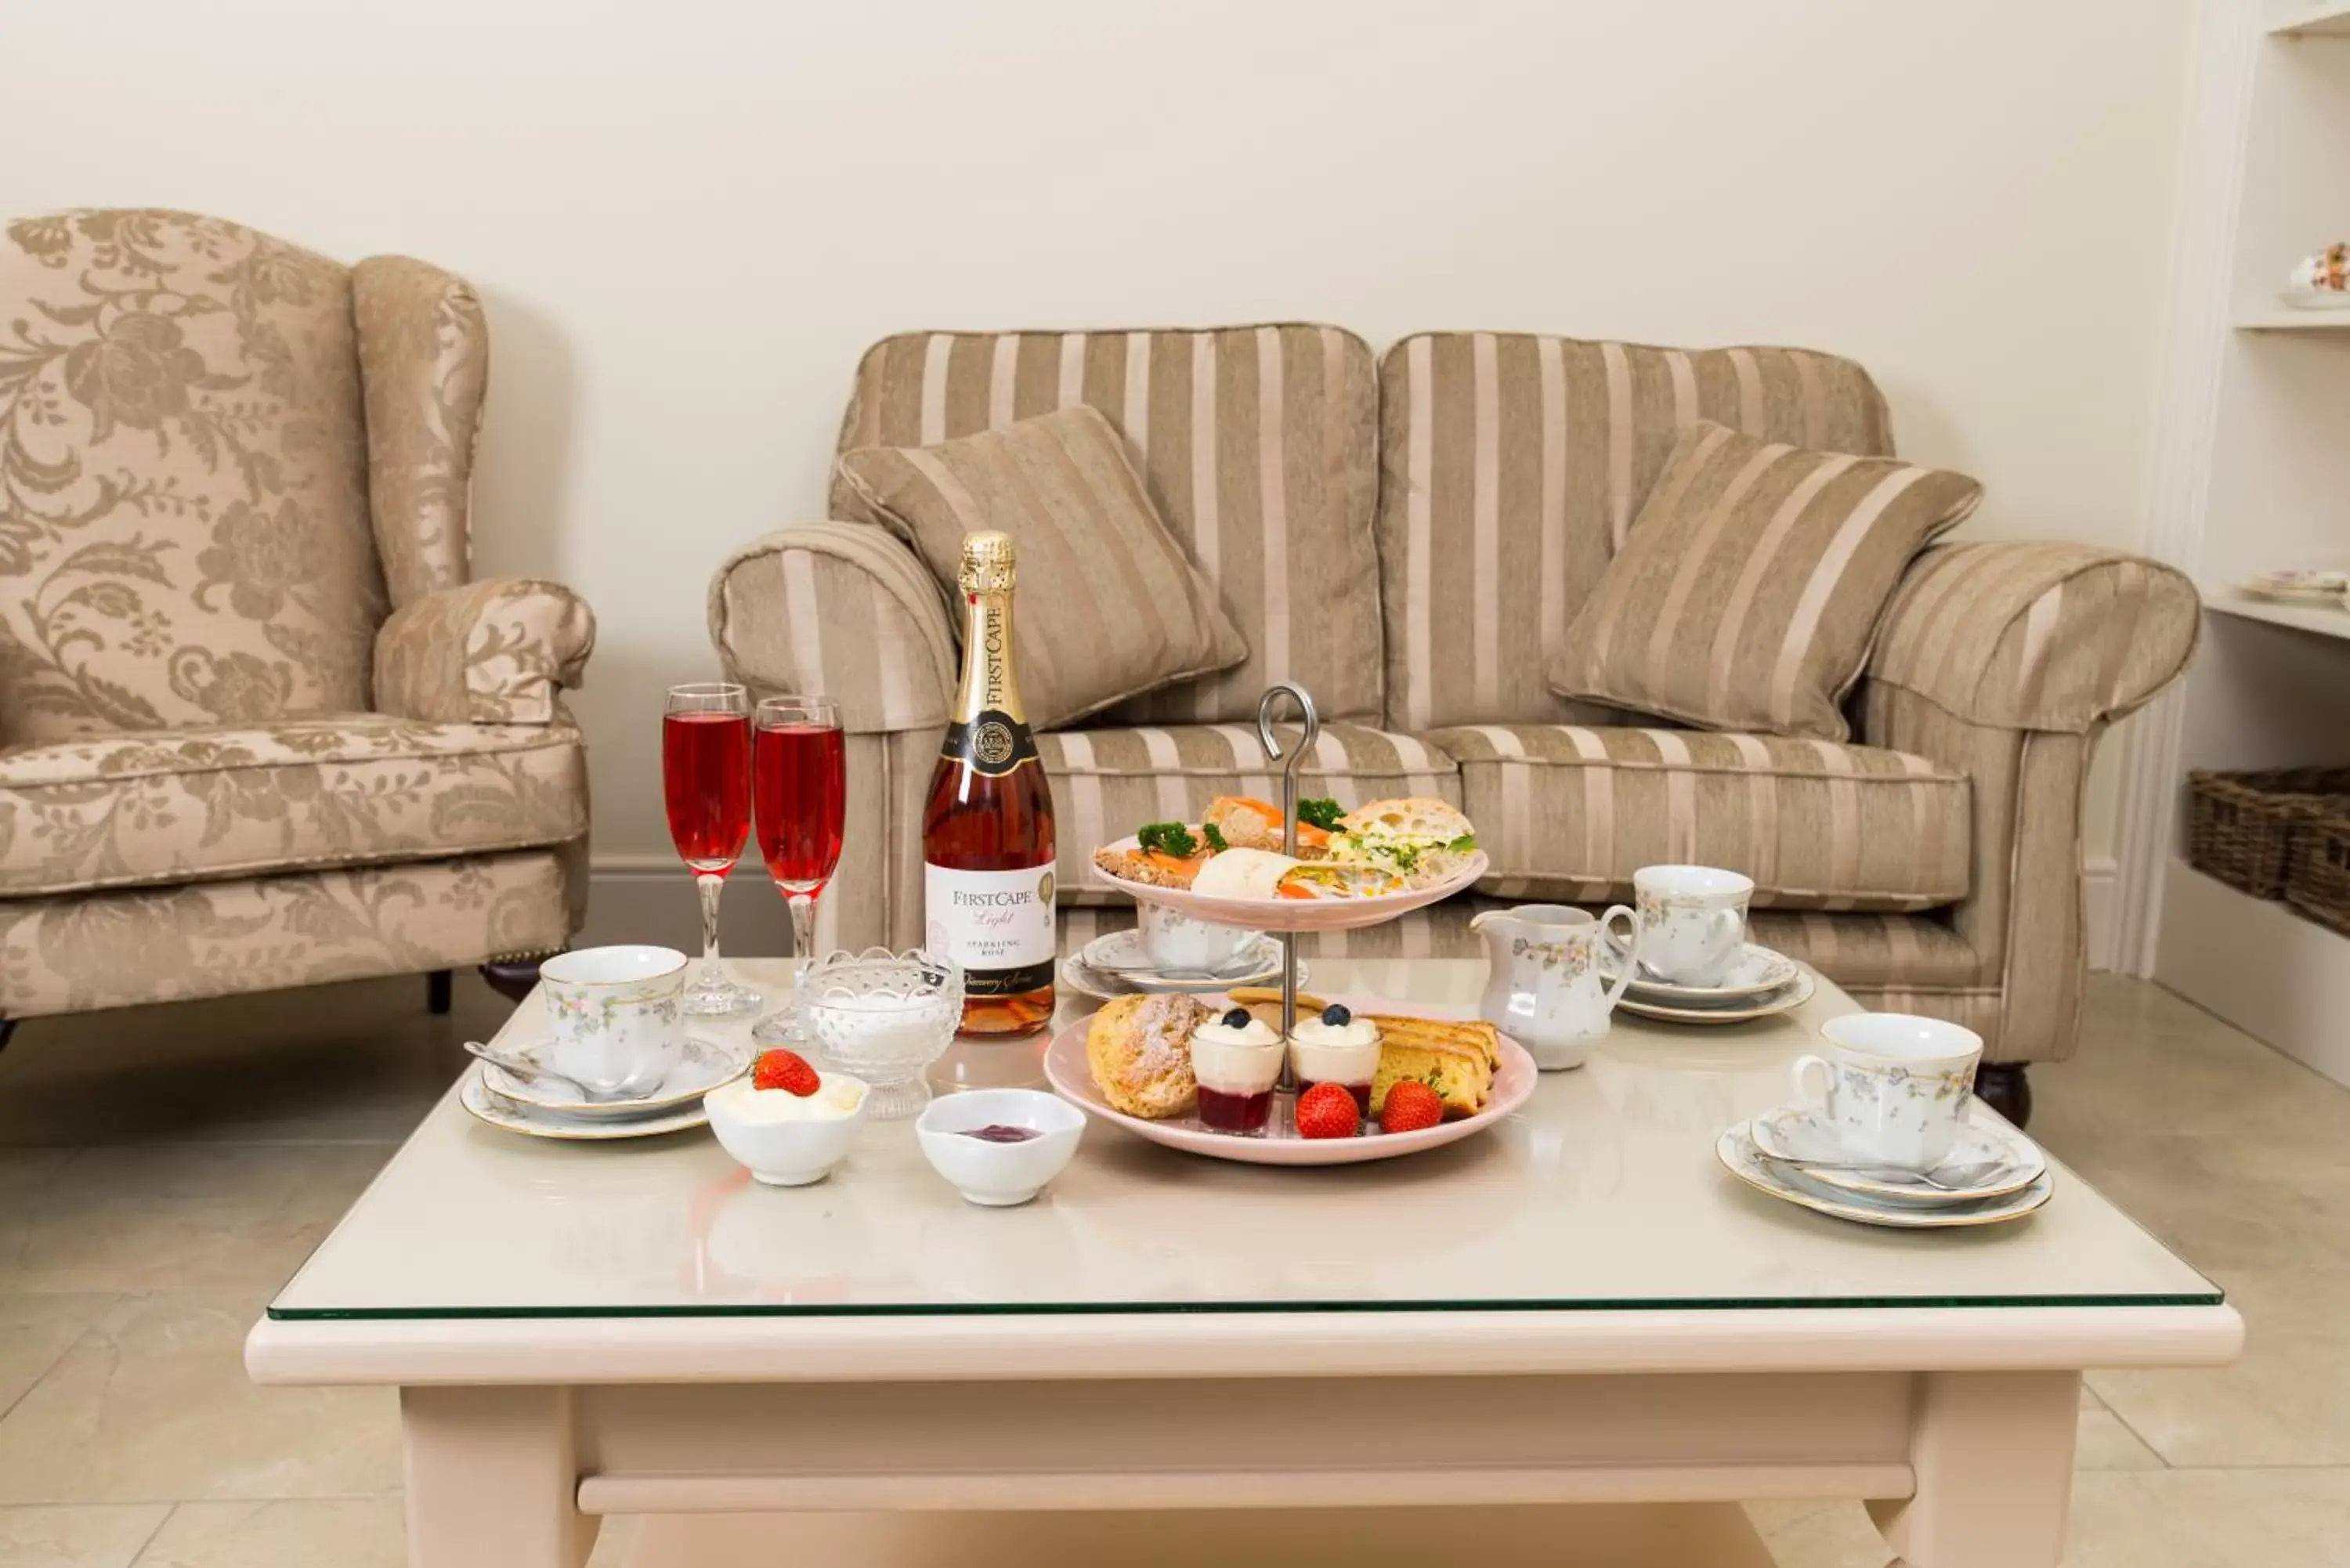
pixel 1409 535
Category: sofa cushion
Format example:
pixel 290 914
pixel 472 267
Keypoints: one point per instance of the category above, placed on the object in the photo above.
pixel 1566 811
pixel 133 945
pixel 1753 582
pixel 1510 469
pixel 186 537
pixel 1108 783
pixel 1257 443
pixel 177 806
pixel 1109 607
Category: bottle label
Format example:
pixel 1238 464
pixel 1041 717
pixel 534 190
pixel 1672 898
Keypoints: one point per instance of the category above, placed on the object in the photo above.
pixel 998 924
pixel 993 743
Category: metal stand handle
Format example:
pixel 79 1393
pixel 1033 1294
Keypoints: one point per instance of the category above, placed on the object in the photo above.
pixel 1289 762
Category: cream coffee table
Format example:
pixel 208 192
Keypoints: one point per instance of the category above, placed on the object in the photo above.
pixel 1577 1307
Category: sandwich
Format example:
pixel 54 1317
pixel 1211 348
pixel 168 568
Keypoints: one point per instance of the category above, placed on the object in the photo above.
pixel 1418 840
pixel 1261 874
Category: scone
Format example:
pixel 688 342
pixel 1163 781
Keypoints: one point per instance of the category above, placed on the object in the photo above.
pixel 1139 1049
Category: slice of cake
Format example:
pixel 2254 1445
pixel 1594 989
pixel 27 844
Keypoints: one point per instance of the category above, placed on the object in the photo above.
pixel 1455 1059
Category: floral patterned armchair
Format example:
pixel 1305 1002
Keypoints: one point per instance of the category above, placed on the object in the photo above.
pixel 257 728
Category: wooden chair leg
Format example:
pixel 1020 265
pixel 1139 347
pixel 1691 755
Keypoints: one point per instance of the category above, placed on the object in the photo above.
pixel 2005 1089
pixel 436 991
pixel 512 978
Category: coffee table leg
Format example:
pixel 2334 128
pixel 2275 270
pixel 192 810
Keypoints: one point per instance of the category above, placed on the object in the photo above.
pixel 1994 1453
pixel 492 1480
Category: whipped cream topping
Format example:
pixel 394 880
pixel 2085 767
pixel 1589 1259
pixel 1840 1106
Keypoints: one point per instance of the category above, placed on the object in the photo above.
pixel 837 1098
pixel 1313 1032
pixel 1236 1060
pixel 1344 1052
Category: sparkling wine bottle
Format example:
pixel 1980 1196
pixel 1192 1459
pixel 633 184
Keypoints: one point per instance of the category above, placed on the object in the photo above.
pixel 987 827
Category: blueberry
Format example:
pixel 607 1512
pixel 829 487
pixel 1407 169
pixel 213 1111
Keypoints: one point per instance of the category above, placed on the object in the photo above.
pixel 1238 1017
pixel 1337 1016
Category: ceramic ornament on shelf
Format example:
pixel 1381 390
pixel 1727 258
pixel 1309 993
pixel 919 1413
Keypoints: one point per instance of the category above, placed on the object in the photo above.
pixel 2319 282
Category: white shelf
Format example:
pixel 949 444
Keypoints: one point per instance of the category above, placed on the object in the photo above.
pixel 2264 968
pixel 2322 619
pixel 2285 318
pixel 2308 18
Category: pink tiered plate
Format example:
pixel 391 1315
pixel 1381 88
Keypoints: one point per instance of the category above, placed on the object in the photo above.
pixel 1072 1078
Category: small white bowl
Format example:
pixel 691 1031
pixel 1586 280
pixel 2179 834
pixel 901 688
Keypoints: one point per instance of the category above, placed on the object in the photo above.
pixel 783 1153
pixel 999 1175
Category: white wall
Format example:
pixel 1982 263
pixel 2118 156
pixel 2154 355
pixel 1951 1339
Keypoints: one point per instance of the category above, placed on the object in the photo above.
pixel 688 217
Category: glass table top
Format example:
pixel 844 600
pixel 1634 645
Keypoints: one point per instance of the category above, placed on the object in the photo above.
pixel 1602 1193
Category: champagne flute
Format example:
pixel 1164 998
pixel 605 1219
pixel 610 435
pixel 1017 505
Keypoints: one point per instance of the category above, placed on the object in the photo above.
pixel 707 785
pixel 799 780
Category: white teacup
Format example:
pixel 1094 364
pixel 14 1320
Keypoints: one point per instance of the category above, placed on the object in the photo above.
pixel 1174 940
pixel 1692 921
pixel 614 1010
pixel 1892 1087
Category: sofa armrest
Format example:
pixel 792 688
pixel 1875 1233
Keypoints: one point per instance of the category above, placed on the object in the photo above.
pixel 2055 637
pixel 424 365
pixel 843 608
pixel 492 653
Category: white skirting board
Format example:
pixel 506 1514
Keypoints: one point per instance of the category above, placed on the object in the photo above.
pixel 2255 963
pixel 650 898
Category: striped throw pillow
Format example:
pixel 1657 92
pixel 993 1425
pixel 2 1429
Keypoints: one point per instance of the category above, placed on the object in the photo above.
pixel 1109 606
pixel 1750 584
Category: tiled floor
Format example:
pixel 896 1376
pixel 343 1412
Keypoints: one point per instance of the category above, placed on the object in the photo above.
pixel 161 1172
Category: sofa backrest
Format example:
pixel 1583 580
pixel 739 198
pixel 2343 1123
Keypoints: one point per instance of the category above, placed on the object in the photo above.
pixel 1510 466
pixel 184 512
pixel 1257 446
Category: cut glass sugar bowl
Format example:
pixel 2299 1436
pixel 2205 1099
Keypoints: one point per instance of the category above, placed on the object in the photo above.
pixel 884 1017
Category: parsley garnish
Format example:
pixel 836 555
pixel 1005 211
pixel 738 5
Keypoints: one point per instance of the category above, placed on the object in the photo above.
pixel 1172 837
pixel 1321 813
pixel 1215 837
pixel 1463 844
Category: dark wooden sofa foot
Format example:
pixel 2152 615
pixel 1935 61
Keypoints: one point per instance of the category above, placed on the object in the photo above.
pixel 511 978
pixel 436 991
pixel 2005 1089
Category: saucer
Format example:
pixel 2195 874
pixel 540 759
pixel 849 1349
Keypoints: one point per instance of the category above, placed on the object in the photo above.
pixel 1757 970
pixel 1793 1136
pixel 505 1115
pixel 701 1065
pixel 1119 957
pixel 1786 999
pixel 1743 1160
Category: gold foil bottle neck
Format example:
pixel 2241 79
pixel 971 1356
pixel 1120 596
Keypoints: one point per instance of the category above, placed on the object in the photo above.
pixel 988 564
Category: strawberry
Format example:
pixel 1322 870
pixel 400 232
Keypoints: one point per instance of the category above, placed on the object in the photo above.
pixel 1410 1106
pixel 786 1070
pixel 1327 1110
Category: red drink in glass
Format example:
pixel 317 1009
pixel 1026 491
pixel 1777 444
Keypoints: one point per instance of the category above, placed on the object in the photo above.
pixel 707 782
pixel 706 786
pixel 801 779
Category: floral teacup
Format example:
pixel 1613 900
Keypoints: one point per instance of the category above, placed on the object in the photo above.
pixel 1893 1087
pixel 1693 919
pixel 1543 987
pixel 618 1032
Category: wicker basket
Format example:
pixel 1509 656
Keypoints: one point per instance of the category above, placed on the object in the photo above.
pixel 2317 883
pixel 2241 826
